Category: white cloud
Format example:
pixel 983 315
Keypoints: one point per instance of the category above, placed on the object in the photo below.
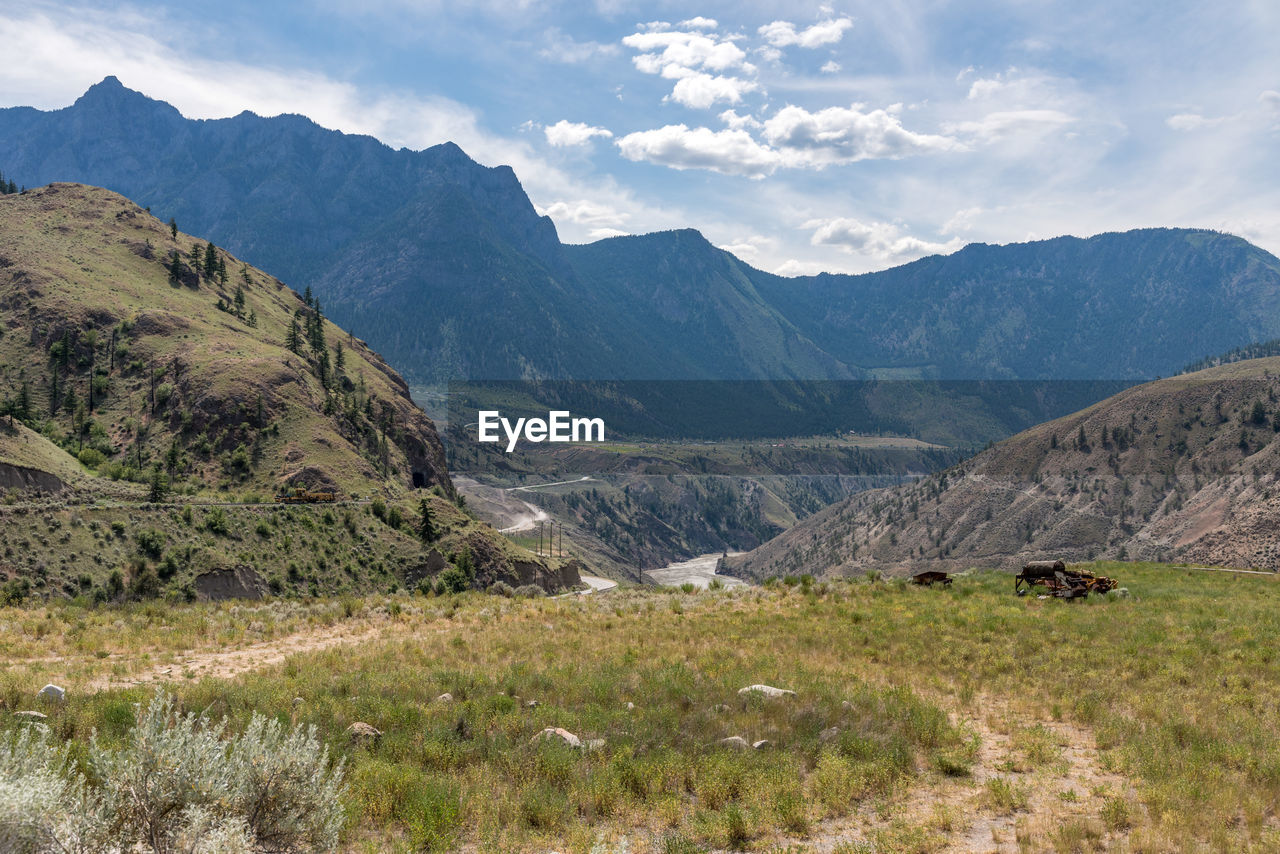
pixel 700 23
pixel 784 33
pixel 962 220
pixel 769 54
pixel 565 133
pixel 737 122
pixel 701 91
pixel 1193 121
pixel 602 233
pixel 1271 100
pixel 880 239
pixel 985 87
pixel 730 152
pixel 793 138
pixel 830 67
pixel 659 50
pixel 1006 123
pixel 584 212
pixel 796 267
pixel 560 47
pixel 845 135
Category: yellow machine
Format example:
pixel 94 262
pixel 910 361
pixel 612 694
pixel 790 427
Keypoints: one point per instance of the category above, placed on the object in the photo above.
pixel 302 495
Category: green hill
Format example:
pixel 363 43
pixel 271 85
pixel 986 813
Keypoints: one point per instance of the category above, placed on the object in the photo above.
pixel 155 384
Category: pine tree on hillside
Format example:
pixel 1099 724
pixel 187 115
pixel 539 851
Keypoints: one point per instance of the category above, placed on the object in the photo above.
pixel 293 341
pixel 210 261
pixel 173 228
pixel 426 525
pixel 175 268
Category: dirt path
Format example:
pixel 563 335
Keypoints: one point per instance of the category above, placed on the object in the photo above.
pixel 225 664
pixel 1062 797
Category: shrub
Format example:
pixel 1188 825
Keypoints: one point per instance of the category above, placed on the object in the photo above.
pixel 500 588
pixel 150 543
pixel 394 517
pixel 13 591
pixel 178 779
pixel 529 591
pixel 44 806
pixel 378 508
pixel 454 580
pixel 91 458
pixel 216 522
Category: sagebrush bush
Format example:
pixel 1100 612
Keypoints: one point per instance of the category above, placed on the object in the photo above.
pixel 178 785
pixel 44 806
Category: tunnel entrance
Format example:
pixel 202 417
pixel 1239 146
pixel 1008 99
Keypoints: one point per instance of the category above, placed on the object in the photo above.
pixel 419 480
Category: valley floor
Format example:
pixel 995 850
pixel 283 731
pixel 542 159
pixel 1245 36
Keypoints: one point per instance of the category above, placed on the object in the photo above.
pixel 963 720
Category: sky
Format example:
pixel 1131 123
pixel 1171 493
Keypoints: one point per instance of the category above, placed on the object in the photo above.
pixel 839 136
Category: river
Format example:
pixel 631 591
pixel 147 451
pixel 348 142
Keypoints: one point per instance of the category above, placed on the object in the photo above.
pixel 699 571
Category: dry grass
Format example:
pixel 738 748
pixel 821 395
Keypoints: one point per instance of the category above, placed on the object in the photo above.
pixel 1178 684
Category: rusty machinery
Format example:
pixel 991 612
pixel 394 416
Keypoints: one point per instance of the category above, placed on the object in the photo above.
pixel 1059 581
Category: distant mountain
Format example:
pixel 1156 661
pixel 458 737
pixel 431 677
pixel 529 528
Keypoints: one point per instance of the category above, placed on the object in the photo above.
pixel 447 269
pixel 1182 469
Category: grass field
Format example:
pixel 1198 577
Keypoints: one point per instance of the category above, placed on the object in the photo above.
pixel 1146 723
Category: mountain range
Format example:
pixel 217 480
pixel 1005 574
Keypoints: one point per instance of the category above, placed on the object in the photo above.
pixel 447 269
pixel 1180 469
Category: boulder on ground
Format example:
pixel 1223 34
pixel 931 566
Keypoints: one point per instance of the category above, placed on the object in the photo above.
pixel 735 742
pixel 828 733
pixel 762 744
pixel 767 690
pixel 554 732
pixel 362 734
pixel 446 697
pixel 52 692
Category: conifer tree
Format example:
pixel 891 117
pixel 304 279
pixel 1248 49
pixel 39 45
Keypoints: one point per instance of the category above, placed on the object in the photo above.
pixel 293 340
pixel 173 228
pixel 426 525
pixel 175 268
pixel 210 261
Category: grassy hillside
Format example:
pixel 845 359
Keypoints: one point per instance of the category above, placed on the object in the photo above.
pixel 925 720
pixel 1180 469
pixel 140 364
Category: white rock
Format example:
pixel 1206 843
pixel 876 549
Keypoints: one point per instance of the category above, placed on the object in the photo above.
pixel 594 744
pixel 52 692
pixel 361 733
pixel 846 705
pixel 631 707
pixel 554 732
pixel 828 733
pixel 446 697
pixel 767 690
pixel 735 742
pixel 532 704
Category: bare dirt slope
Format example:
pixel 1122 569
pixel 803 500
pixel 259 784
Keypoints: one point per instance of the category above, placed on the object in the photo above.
pixel 1182 469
